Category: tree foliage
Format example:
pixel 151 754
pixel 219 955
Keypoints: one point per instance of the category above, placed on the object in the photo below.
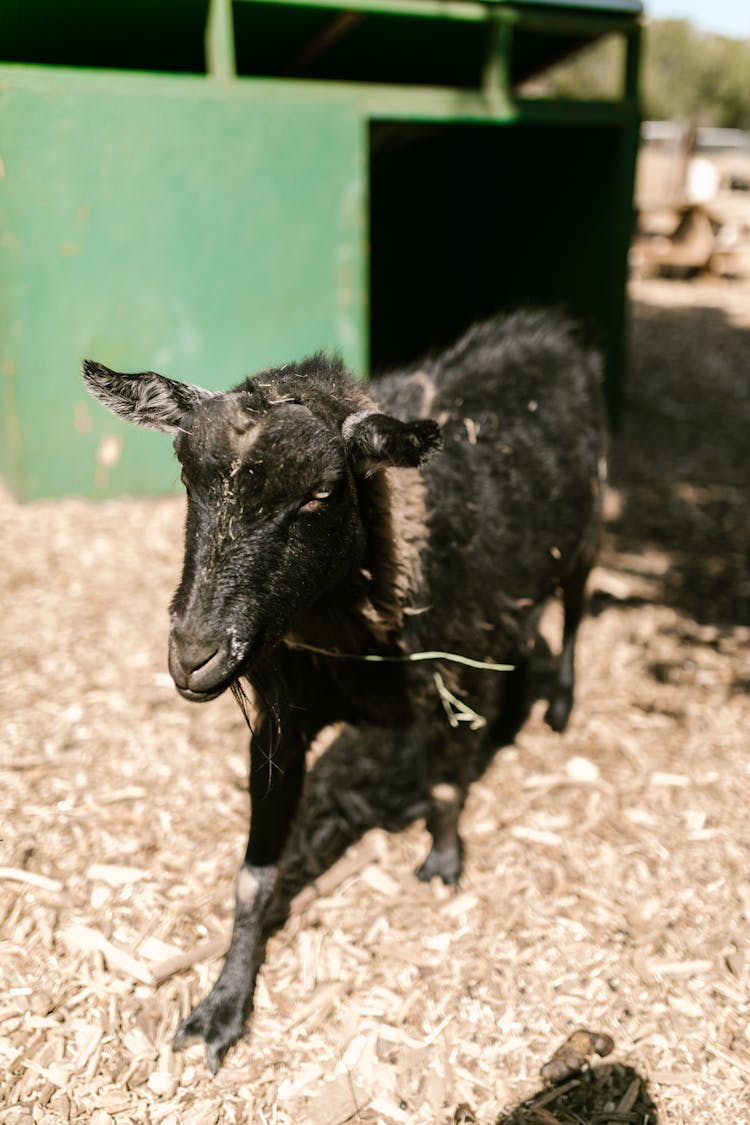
pixel 686 74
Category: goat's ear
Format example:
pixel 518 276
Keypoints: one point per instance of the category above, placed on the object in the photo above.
pixel 375 440
pixel 147 399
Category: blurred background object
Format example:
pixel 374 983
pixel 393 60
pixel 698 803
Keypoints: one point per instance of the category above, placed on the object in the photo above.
pixel 693 182
pixel 693 199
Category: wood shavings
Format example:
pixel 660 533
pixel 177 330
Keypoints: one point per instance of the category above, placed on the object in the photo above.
pixel 115 875
pixel 680 968
pixel 203 951
pixel 582 769
pixel 670 780
pixel 536 836
pixel 320 1003
pixel 337 1103
pixel 471 430
pixel 85 939
pixel 15 874
pixel 380 881
pixel 293 1087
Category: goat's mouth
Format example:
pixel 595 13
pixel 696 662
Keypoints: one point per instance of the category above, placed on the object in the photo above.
pixel 207 695
pixel 201 675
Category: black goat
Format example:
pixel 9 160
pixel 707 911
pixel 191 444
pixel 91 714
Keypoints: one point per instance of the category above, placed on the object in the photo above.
pixel 318 529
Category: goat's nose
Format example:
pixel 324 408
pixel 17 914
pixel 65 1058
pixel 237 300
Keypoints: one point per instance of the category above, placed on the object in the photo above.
pixel 195 662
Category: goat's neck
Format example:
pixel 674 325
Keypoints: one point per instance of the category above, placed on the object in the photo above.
pixel 395 516
pixel 365 612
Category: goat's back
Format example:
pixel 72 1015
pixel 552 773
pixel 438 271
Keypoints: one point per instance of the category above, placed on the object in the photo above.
pixel 514 495
pixel 504 369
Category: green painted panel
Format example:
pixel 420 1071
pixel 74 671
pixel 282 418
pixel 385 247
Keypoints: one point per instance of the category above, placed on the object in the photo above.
pixel 166 224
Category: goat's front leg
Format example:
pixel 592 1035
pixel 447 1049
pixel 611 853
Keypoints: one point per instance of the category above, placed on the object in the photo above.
pixel 443 756
pixel 276 774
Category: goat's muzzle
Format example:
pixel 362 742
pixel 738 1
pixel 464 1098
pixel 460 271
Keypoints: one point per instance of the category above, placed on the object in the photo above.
pixel 200 664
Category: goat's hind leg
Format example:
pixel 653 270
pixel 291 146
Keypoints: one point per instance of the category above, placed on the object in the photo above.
pixel 561 696
pixel 515 704
pixel 219 1019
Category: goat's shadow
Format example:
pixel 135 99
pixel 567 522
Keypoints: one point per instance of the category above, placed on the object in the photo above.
pixel 680 464
pixel 367 778
pixel 372 777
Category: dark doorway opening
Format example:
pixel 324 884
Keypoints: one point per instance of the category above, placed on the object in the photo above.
pixel 466 220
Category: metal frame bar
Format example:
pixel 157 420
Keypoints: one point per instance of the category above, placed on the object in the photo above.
pixel 220 53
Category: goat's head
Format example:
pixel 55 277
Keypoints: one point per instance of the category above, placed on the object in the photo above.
pixel 274 520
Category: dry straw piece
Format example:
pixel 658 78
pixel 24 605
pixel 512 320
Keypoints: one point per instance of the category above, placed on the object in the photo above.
pixel 606 870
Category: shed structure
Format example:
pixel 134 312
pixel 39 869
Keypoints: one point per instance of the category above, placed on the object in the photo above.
pixel 207 187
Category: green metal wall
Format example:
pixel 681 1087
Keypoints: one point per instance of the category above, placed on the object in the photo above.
pixel 207 226
pixel 150 225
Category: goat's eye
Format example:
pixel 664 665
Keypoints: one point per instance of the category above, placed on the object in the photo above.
pixel 317 498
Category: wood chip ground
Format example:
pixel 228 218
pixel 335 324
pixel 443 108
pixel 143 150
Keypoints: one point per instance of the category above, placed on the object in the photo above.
pixel 606 881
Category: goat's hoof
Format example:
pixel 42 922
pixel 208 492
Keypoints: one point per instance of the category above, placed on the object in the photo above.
pixel 558 712
pixel 446 863
pixel 219 1021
